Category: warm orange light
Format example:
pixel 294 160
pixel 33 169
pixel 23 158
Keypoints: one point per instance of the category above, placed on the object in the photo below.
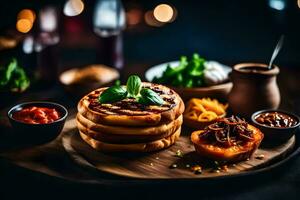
pixel 25 20
pixel 24 25
pixel 27 14
pixel 298 3
pixel 134 16
pixel 163 13
pixel 150 20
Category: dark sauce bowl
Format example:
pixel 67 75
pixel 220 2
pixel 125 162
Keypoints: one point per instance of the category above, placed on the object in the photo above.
pixel 276 134
pixel 37 133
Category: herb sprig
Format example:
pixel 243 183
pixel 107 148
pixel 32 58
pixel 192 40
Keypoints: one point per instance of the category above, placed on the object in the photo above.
pixel 133 89
pixel 13 77
pixel 189 73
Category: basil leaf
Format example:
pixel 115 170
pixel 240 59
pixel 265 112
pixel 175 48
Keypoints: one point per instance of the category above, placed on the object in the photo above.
pixel 7 73
pixel 134 85
pixel 149 97
pixel 11 68
pixel 20 81
pixel 113 94
pixel 117 83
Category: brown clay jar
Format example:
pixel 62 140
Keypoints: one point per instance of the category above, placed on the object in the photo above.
pixel 254 88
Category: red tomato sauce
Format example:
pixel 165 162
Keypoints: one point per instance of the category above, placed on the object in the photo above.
pixel 36 115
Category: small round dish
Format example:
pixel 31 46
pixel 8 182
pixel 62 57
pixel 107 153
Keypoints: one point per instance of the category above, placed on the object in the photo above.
pixel 276 134
pixel 81 80
pixel 37 133
pixel 219 91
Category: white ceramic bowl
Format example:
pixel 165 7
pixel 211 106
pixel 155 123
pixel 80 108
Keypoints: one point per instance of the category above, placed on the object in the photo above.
pixel 219 91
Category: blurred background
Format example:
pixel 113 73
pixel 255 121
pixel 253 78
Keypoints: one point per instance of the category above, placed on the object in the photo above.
pixel 117 33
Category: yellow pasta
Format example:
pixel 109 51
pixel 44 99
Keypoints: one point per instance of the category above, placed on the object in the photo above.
pixel 205 109
pixel 207 116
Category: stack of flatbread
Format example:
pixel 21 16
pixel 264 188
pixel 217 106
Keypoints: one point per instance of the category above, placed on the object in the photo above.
pixel 127 126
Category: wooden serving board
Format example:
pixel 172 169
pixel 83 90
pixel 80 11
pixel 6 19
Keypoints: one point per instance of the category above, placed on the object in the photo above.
pixel 157 165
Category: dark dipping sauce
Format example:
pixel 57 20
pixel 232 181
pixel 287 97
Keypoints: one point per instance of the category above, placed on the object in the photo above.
pixel 276 119
pixel 36 115
pixel 255 69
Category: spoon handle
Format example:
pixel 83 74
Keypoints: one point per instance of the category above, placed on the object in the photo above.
pixel 276 51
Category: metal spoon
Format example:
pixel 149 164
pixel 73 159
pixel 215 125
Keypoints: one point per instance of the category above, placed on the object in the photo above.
pixel 276 51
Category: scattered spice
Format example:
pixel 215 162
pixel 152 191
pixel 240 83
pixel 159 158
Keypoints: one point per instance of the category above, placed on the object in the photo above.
pixel 260 157
pixel 179 153
pixel 224 168
pixel 157 158
pixel 197 169
pixel 217 165
pixel 151 164
pixel 173 166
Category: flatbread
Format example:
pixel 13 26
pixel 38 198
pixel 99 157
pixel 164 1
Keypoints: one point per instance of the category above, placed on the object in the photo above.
pixel 137 147
pixel 129 113
pixel 129 130
pixel 124 138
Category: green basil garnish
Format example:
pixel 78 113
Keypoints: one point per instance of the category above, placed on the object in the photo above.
pixel 133 90
pixel 149 97
pixel 134 85
pixel 117 83
pixel 113 94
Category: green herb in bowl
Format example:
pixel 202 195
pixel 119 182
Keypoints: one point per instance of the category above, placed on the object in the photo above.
pixel 13 78
pixel 189 73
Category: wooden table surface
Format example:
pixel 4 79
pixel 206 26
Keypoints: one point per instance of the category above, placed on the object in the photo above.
pixel 52 160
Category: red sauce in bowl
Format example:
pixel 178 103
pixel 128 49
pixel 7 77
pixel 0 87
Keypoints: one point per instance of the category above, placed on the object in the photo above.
pixel 36 115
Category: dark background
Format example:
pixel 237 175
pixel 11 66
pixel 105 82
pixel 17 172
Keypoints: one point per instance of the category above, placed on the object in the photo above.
pixel 230 31
pixel 226 30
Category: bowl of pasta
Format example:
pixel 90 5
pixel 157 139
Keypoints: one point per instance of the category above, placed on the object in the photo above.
pixel 202 112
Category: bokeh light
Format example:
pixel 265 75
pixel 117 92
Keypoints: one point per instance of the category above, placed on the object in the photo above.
pixel 150 19
pixel 7 42
pixel 163 13
pixel 27 14
pixel 48 19
pixel 25 20
pixel 134 16
pixel 73 8
pixel 277 4
pixel 24 25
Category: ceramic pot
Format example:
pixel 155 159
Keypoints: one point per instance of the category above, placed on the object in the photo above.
pixel 254 88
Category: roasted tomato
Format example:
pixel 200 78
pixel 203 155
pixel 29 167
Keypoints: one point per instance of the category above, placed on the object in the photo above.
pixel 37 115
